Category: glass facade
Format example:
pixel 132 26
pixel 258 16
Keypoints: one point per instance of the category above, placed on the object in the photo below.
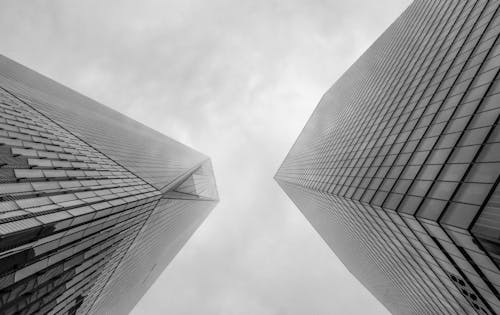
pixel 93 205
pixel 398 166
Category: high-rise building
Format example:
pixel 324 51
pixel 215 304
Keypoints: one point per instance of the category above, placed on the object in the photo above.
pixel 398 166
pixel 93 205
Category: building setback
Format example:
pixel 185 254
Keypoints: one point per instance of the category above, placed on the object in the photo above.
pixel 398 166
pixel 93 205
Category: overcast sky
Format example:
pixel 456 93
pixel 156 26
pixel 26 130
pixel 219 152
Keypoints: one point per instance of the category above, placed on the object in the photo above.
pixel 235 80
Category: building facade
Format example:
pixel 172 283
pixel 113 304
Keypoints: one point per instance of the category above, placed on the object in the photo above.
pixel 398 166
pixel 93 205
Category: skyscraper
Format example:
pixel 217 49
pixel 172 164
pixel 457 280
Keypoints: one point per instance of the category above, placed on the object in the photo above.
pixel 93 205
pixel 398 166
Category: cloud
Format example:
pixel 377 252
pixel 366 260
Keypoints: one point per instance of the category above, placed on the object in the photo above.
pixel 236 80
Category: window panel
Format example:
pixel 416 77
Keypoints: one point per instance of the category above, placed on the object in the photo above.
pixel 442 190
pixel 453 172
pixel 474 193
pixel 460 215
pixel 463 154
pixel 484 173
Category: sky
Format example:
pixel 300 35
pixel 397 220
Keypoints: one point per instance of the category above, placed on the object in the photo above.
pixel 236 80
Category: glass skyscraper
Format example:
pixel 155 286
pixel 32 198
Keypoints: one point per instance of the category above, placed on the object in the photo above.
pixel 398 166
pixel 93 205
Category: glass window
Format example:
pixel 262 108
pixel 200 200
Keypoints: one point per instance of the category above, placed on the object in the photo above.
pixel 490 102
pixel 495 134
pixel 410 146
pixel 460 87
pixel 475 93
pixel 459 215
pixel 474 193
pixel 442 190
pixel 368 195
pixel 410 204
pixel 12 214
pixel 475 136
pixel 452 101
pixel 418 158
pixel 403 136
pixel 447 141
pixel 464 154
pixel 419 187
pixel 490 153
pixel 379 198
pixel 438 156
pixel 396 148
pixel 402 186
pixel 484 119
pixel 394 172
pixel 40 249
pixel 62 224
pixel 31 269
pixel 45 186
pixel 6 280
pixel 427 144
pixel 453 172
pixel 33 202
pixel 431 209
pixel 40 163
pixel 456 125
pixel 382 171
pixel 424 121
pixel 392 201
pixel 15 188
pixel 484 173
pixel 403 159
pixel 375 183
pixel 410 172
pixel 443 115
pixel 19 225
pixel 435 129
pixel 387 184
pixel 429 172
pixel 417 133
pixel 466 109
pixel 62 198
pixel 389 160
